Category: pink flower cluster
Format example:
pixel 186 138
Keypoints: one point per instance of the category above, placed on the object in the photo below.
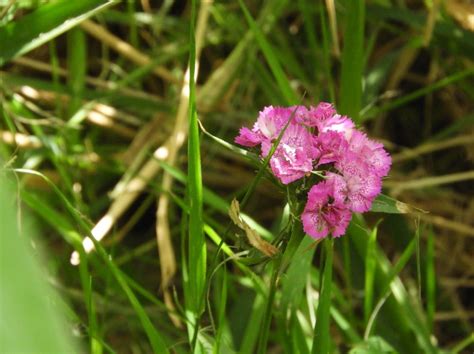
pixel 319 140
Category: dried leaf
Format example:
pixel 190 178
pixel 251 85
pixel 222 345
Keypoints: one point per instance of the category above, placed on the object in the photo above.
pixel 253 237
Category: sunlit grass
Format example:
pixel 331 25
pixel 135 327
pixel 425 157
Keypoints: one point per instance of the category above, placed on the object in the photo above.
pixel 388 283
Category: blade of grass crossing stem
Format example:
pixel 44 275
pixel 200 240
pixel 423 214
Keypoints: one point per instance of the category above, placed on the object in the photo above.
pixel 321 341
pixel 265 163
pixel 430 280
pixel 271 58
pixel 352 59
pixel 196 247
pixel 370 262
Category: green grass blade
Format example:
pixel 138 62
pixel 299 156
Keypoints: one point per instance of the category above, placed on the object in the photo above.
pixel 401 312
pixel 430 280
pixel 77 67
pixel 252 329
pixel 307 10
pixel 221 312
pixel 295 278
pixel 463 344
pixel 271 58
pixel 322 335
pixel 352 60
pixel 45 23
pixel 327 55
pixel 267 317
pixel 449 80
pixel 370 262
pixel 95 342
pixel 196 244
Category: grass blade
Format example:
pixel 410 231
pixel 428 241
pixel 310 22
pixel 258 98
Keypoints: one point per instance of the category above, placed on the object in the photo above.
pixel 271 58
pixel 352 59
pixel 370 262
pixel 47 22
pixel 430 280
pixel 77 67
pixel 196 244
pixel 321 342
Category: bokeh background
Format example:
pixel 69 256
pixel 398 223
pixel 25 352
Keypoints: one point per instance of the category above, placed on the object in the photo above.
pixel 94 136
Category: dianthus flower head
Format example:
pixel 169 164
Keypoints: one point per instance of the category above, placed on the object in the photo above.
pixel 362 184
pixel 293 158
pixel 352 164
pixel 325 211
pixel 331 146
pixel 315 115
pixel 373 152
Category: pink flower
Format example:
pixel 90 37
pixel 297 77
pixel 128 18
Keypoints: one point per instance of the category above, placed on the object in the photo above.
pixel 331 146
pixel 373 153
pixel 362 184
pixel 271 120
pixel 325 212
pixel 337 123
pixel 268 126
pixel 293 158
pixel 317 114
pixel 325 118
pixel 320 137
pixel 248 137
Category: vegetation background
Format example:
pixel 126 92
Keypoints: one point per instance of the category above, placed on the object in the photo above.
pixel 100 134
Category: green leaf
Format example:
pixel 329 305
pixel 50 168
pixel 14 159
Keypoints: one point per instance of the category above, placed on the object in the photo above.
pixel 370 263
pixel 296 276
pixel 31 320
pixel 45 23
pixel 388 205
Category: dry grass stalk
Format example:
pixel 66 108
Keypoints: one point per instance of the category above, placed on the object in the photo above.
pixel 126 49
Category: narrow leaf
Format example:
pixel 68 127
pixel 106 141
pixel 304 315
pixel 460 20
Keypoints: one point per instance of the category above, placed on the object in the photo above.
pixel 45 23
